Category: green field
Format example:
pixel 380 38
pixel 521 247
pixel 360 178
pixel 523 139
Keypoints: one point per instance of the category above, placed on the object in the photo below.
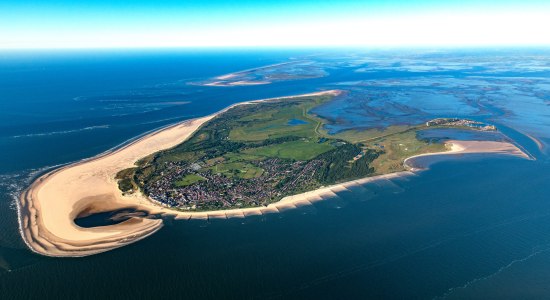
pixel 396 143
pixel 297 150
pixel 372 134
pixel 273 122
pixel 188 180
pixel 238 169
pixel 399 146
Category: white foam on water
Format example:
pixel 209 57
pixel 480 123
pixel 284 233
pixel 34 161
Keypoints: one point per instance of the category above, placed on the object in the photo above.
pixel 61 132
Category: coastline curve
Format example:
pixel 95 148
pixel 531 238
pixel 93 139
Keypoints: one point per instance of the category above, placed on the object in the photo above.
pixel 48 207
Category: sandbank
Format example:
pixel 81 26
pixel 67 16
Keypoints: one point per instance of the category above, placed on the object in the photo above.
pixel 236 83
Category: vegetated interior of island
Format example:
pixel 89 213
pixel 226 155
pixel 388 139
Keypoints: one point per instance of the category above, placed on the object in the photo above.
pixel 255 154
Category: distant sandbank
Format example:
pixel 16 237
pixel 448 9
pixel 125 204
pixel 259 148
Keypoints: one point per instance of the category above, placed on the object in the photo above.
pixel 239 78
pixel 48 208
pixel 236 83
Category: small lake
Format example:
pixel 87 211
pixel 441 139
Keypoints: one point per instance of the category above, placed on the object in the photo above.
pixel 295 122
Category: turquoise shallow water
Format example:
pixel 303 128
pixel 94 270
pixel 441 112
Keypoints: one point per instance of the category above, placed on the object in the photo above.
pixel 473 226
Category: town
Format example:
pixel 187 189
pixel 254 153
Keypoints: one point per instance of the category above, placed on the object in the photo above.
pixel 216 190
pixel 456 122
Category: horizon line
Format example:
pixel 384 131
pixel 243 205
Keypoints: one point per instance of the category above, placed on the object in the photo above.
pixel 285 47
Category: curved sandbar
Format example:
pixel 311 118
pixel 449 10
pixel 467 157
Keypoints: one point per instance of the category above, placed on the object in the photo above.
pixel 47 209
pixel 471 147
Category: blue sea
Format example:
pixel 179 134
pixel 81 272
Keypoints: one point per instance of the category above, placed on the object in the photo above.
pixel 473 226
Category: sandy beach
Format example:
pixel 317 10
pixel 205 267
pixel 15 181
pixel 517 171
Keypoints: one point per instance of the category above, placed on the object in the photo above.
pixel 47 209
pixel 470 147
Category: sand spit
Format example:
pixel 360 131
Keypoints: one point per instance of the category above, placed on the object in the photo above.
pixel 537 141
pixel 47 209
pixel 236 83
pixel 470 147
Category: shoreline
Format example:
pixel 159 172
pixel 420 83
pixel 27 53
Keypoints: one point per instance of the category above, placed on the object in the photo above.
pixel 241 72
pixel 48 207
pixel 470 147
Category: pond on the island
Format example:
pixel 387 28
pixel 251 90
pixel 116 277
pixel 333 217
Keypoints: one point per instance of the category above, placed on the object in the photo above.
pixel 294 122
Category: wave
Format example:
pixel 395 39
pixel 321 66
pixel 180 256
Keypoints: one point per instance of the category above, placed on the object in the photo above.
pixel 536 251
pixel 61 132
pixel 182 118
pixel 12 184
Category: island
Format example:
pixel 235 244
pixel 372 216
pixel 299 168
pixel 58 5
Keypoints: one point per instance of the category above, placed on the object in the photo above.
pixel 291 70
pixel 252 158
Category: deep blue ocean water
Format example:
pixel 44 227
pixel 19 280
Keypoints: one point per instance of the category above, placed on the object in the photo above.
pixel 469 227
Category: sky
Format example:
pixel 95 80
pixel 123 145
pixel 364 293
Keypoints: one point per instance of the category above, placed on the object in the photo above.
pixel 46 24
